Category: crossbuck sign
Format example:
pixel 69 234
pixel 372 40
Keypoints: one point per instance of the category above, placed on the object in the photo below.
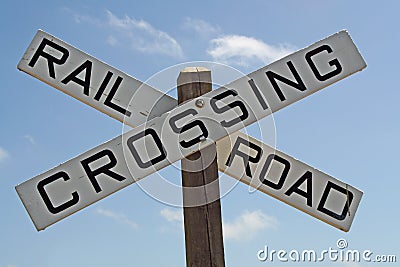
pixel 168 132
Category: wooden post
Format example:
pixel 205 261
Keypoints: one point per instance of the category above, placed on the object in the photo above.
pixel 203 225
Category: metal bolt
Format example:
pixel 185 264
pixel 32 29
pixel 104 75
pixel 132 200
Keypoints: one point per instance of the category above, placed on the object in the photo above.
pixel 200 103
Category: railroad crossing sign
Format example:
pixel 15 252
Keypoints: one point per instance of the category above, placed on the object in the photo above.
pixel 168 132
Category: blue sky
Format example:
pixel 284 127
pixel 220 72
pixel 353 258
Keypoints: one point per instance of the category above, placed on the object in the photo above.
pixel 349 130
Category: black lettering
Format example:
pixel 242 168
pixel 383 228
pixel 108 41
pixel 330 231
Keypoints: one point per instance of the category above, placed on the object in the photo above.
pixel 112 94
pixel 105 169
pixel 284 173
pixel 153 133
pixel 45 196
pixel 335 62
pixel 299 84
pixel 50 59
pixel 349 198
pixel 246 158
pixel 186 127
pixel 108 102
pixel 295 188
pixel 103 86
pixel 258 94
pixel 73 76
pixel 237 103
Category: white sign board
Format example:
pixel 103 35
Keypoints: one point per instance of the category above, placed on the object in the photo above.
pixel 289 180
pixel 91 81
pixel 101 171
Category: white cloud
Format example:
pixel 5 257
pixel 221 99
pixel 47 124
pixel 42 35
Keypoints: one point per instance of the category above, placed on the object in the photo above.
pixel 119 217
pixel 11 265
pixel 201 27
pixel 243 50
pixel 86 19
pixel 172 215
pixel 30 139
pixel 3 154
pixel 79 18
pixel 142 36
pixel 111 40
pixel 247 225
pixel 244 227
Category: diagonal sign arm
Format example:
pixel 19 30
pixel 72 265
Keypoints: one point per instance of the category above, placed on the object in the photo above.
pixel 289 180
pixel 346 60
pixel 92 81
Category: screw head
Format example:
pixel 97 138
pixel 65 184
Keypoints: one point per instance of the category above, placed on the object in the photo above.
pixel 200 103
